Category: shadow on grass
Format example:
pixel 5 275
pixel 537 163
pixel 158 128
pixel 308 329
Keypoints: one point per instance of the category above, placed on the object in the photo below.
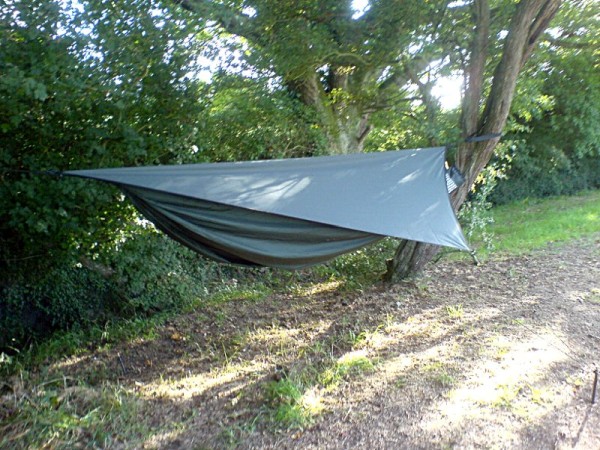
pixel 463 356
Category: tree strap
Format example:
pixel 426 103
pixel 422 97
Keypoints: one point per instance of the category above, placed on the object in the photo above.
pixel 483 137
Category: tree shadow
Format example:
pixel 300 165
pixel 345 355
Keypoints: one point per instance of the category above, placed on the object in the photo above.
pixel 201 382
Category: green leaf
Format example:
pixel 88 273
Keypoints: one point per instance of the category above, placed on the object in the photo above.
pixel 40 93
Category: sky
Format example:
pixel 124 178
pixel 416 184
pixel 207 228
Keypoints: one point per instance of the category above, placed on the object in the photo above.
pixel 447 90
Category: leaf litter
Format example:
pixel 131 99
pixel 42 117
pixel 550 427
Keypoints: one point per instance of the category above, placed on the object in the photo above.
pixel 498 356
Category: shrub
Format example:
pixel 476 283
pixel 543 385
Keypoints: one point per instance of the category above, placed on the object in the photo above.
pixel 553 172
pixel 147 273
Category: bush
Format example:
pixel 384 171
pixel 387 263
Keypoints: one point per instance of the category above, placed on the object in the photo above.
pixel 147 273
pixel 534 175
pixel 63 298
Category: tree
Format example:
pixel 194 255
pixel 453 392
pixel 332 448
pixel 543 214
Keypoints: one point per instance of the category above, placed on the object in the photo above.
pixel 73 100
pixel 528 21
pixel 347 65
pixel 557 145
pixel 94 84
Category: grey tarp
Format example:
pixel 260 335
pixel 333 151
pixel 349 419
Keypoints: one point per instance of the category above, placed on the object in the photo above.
pixel 295 212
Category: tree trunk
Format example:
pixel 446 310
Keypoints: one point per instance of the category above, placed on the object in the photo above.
pixel 350 132
pixel 530 19
pixel 410 257
pixel 346 125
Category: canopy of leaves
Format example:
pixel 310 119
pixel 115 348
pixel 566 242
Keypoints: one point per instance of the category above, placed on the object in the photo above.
pixel 88 86
pixel 247 120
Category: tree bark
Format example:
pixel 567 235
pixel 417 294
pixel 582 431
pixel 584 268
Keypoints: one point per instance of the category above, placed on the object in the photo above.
pixel 410 257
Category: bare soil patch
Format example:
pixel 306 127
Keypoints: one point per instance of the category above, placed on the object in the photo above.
pixel 499 355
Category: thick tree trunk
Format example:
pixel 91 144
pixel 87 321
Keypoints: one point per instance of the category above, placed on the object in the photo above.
pixel 410 257
pixel 345 123
pixel 350 132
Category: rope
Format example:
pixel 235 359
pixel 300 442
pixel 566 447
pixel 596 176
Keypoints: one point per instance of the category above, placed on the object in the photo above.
pixel 474 138
pixel 50 172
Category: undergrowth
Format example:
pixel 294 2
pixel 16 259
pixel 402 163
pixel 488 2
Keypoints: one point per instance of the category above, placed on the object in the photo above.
pixel 62 414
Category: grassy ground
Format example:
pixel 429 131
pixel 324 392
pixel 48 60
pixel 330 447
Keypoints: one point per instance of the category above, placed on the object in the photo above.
pixel 278 363
pixel 520 227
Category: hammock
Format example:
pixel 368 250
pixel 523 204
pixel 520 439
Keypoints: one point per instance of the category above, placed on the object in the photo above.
pixel 295 213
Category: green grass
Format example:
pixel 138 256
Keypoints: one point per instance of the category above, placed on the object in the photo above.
pixel 351 364
pixel 54 415
pixel 77 342
pixel 287 404
pixel 255 293
pixel 533 223
pixel 455 311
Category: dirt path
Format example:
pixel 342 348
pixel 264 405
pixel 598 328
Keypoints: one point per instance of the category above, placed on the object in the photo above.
pixel 495 356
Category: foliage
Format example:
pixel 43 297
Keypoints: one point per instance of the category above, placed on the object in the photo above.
pixel 475 215
pixel 542 172
pixel 86 85
pixel 68 105
pixel 150 273
pixel 557 135
pixel 341 63
pixel 360 268
pixel 262 123
pixel 351 364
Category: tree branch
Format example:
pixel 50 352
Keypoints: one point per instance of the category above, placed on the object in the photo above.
pixel 526 25
pixel 401 75
pixel 230 20
pixel 476 68
pixel 566 43
pixel 528 22
pixel 474 76
pixel 541 22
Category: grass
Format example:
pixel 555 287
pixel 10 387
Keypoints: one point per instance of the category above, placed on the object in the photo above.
pixel 291 404
pixel 54 414
pixel 77 342
pixel 455 311
pixel 350 364
pixel 440 374
pixel 61 413
pixel 295 400
pixel 593 296
pixel 533 223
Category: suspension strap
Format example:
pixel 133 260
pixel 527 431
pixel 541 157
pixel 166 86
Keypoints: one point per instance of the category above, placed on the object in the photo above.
pixel 483 137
